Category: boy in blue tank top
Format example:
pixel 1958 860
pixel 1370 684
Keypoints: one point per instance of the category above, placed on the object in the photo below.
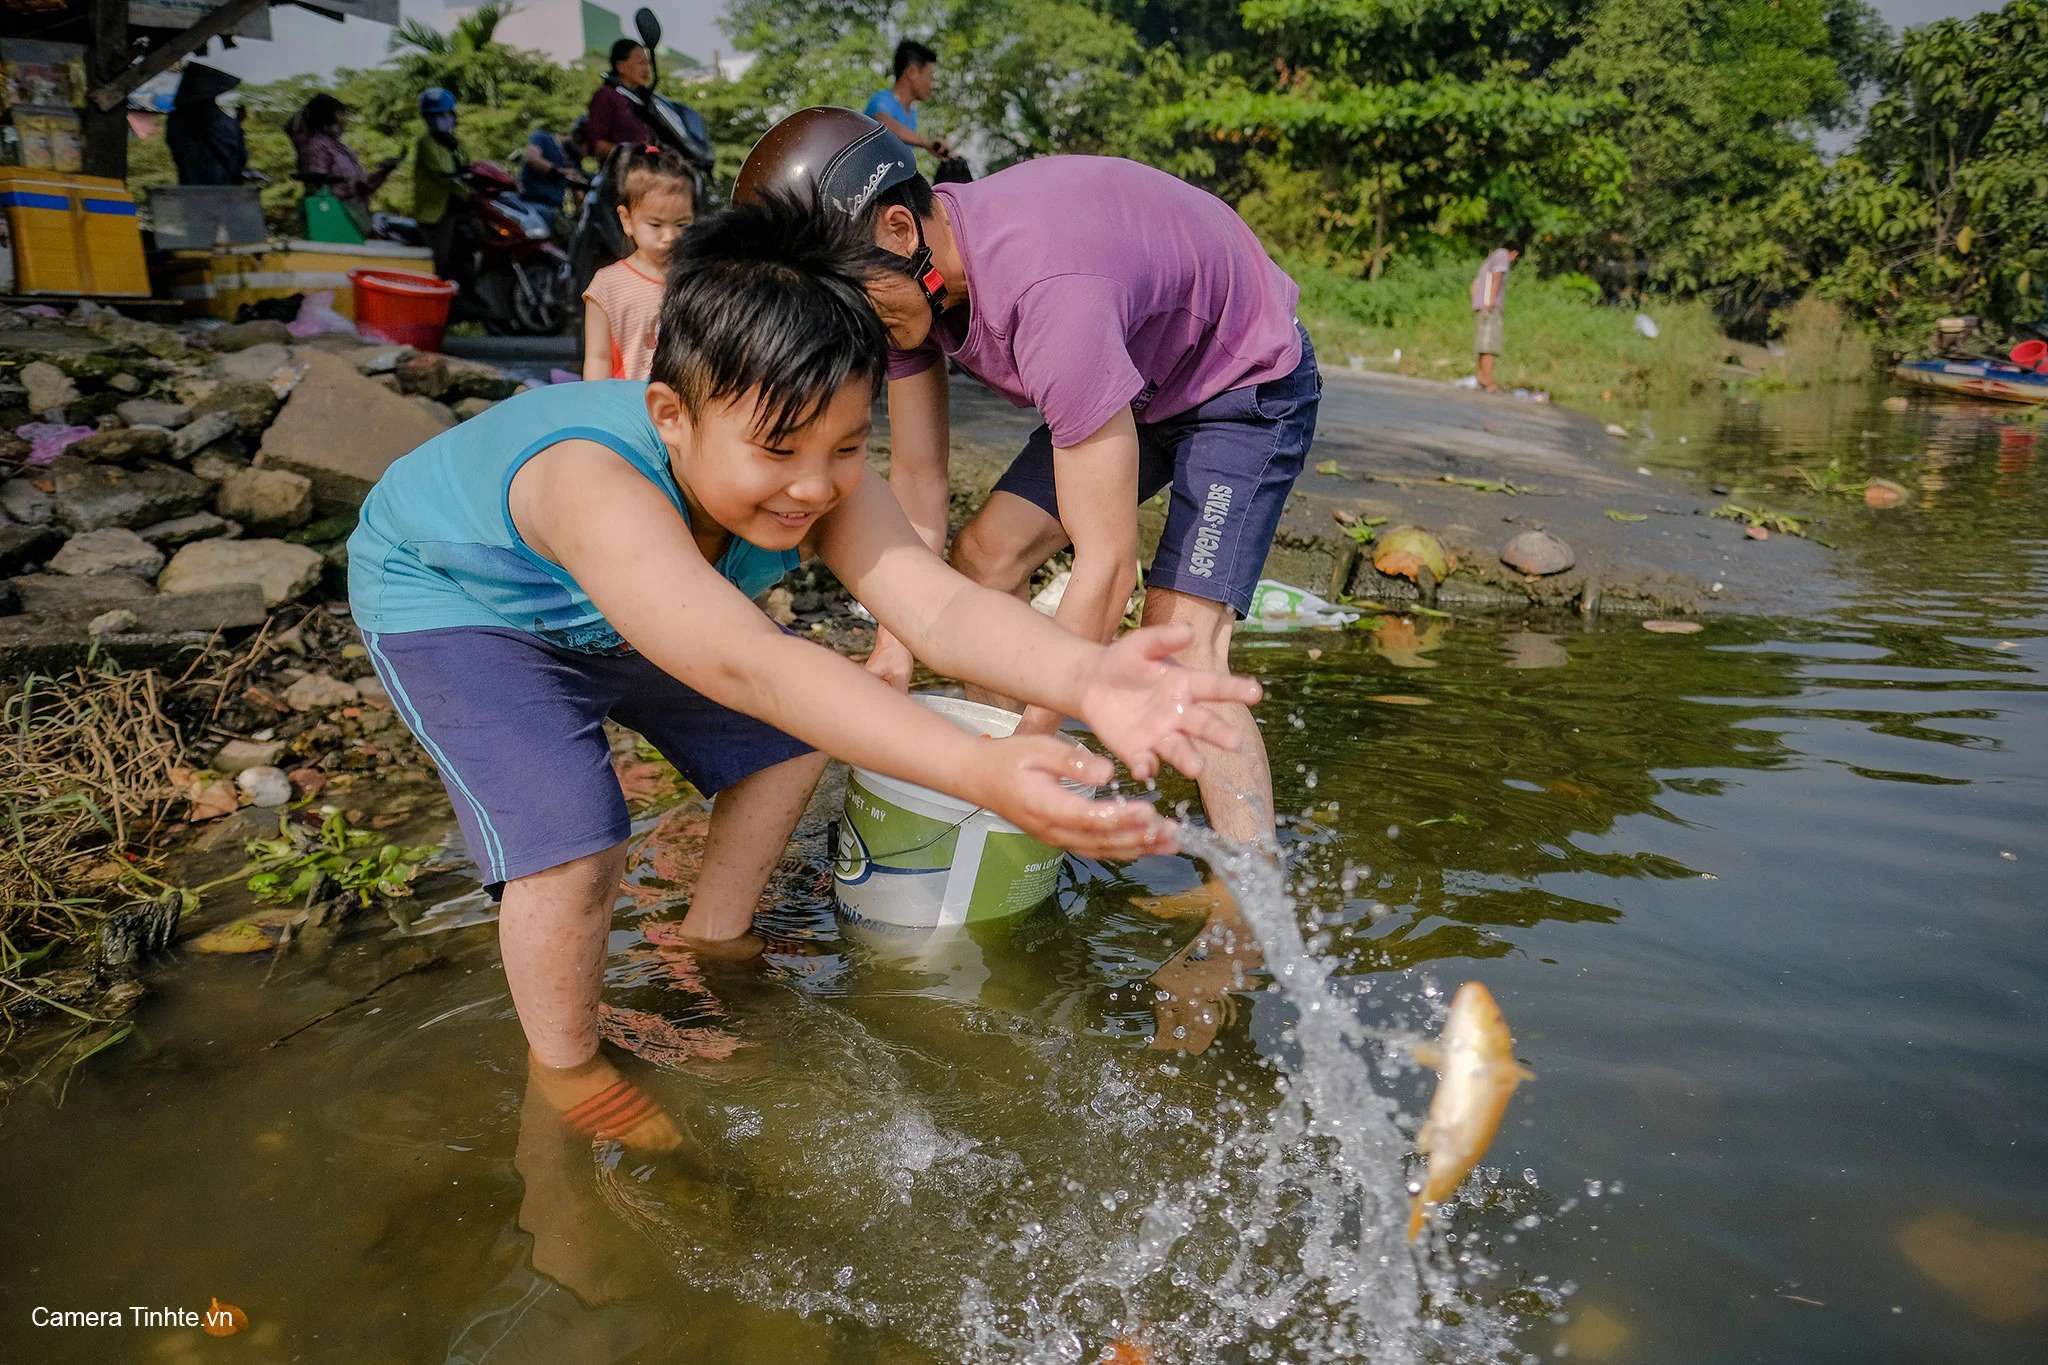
pixel 588 551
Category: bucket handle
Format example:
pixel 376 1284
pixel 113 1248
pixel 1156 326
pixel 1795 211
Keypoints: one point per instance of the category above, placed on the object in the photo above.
pixel 919 848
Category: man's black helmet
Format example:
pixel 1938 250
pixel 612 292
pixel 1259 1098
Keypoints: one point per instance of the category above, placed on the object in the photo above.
pixel 843 158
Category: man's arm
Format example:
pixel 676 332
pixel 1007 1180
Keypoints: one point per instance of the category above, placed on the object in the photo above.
pixel 1097 483
pixel 919 453
pixel 932 142
pixel 920 444
pixel 1145 708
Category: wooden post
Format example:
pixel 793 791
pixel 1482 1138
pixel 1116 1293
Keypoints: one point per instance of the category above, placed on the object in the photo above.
pixel 114 93
pixel 106 57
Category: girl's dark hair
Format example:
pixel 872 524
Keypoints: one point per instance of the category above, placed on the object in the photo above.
pixel 769 298
pixel 322 112
pixel 635 168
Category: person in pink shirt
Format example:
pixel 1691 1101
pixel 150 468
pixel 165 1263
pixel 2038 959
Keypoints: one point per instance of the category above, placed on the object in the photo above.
pixel 622 307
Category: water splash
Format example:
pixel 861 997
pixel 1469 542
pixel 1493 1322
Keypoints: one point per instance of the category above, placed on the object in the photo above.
pixel 1016 1188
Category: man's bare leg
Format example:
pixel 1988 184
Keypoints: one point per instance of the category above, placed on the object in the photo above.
pixel 1237 787
pixel 1237 794
pixel 1486 373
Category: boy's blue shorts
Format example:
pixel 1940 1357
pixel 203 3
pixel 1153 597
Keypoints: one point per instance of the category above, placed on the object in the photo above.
pixel 1231 462
pixel 516 727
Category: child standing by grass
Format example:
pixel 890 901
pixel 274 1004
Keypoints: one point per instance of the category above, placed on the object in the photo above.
pixel 622 307
pixel 587 551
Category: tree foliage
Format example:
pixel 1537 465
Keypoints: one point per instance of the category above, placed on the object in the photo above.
pixel 1944 205
pixel 1403 123
pixel 1711 104
pixel 1017 78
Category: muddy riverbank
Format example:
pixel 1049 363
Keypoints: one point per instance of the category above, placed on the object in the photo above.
pixel 1476 469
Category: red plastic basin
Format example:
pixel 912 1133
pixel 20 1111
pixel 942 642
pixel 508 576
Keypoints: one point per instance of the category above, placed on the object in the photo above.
pixel 2031 354
pixel 410 310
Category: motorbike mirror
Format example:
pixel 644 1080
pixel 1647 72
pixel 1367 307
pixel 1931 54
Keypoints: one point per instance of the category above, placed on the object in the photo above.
pixel 648 27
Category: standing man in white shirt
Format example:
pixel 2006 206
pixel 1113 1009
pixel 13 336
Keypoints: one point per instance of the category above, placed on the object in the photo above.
pixel 1489 308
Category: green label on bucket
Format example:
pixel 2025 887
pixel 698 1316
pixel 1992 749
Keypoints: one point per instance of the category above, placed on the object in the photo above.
pixel 1017 872
pixel 886 837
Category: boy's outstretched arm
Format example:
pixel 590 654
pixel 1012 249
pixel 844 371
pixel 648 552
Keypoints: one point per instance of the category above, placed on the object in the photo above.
pixel 624 544
pixel 1139 703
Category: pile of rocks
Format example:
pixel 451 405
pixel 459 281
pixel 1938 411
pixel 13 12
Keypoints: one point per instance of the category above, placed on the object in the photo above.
pixel 159 484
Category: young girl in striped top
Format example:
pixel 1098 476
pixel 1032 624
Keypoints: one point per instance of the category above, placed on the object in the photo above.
pixel 622 307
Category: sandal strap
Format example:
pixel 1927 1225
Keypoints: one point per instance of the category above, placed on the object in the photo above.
pixel 615 1109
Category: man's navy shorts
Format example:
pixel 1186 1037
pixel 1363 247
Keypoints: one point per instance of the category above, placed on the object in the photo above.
pixel 516 727
pixel 1230 462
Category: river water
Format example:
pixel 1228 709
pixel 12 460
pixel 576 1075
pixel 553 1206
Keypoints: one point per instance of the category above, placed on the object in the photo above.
pixel 1761 904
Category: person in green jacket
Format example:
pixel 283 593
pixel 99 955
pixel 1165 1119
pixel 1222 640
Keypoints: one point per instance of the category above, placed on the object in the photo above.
pixel 437 187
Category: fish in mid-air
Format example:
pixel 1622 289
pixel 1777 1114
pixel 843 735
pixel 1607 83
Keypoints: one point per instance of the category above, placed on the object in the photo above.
pixel 1474 1059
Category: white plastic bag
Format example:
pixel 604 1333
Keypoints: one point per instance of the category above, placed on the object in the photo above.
pixel 1646 326
pixel 1277 605
pixel 318 318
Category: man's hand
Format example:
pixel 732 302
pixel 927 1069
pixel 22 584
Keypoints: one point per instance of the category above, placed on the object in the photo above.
pixel 1038 720
pixel 941 148
pixel 1020 781
pixel 1146 708
pixel 891 660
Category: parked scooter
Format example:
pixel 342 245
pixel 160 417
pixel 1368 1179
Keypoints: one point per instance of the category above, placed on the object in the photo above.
pixel 519 281
pixel 597 239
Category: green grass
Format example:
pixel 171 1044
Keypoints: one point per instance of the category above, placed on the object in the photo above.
pixel 1559 337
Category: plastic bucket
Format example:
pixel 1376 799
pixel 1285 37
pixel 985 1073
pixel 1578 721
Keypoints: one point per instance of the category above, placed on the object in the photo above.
pixel 2031 354
pixel 914 860
pixel 409 310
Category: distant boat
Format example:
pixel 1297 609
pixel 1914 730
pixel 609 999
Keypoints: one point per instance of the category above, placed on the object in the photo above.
pixel 1995 379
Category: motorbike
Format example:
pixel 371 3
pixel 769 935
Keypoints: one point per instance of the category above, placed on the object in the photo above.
pixel 520 281
pixel 597 239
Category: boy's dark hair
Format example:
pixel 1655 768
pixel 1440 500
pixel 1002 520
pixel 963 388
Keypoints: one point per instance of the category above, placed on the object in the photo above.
pixel 914 194
pixel 768 298
pixel 622 49
pixel 634 168
pixel 911 52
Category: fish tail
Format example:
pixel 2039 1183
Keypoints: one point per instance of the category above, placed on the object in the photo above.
pixel 1415 1219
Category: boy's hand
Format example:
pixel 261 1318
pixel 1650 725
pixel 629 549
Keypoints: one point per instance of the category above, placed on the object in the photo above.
pixel 890 661
pixel 1146 708
pixel 1021 783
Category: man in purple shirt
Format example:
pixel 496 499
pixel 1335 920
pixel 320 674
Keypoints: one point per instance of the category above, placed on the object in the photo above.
pixel 1156 338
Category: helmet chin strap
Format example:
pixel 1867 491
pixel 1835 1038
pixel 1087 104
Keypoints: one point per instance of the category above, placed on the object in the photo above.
pixel 930 282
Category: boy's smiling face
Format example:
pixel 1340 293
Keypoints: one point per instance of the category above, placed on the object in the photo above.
pixel 771 492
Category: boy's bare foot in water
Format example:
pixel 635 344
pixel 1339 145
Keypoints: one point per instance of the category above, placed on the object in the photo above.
pixel 669 933
pixel 594 1099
